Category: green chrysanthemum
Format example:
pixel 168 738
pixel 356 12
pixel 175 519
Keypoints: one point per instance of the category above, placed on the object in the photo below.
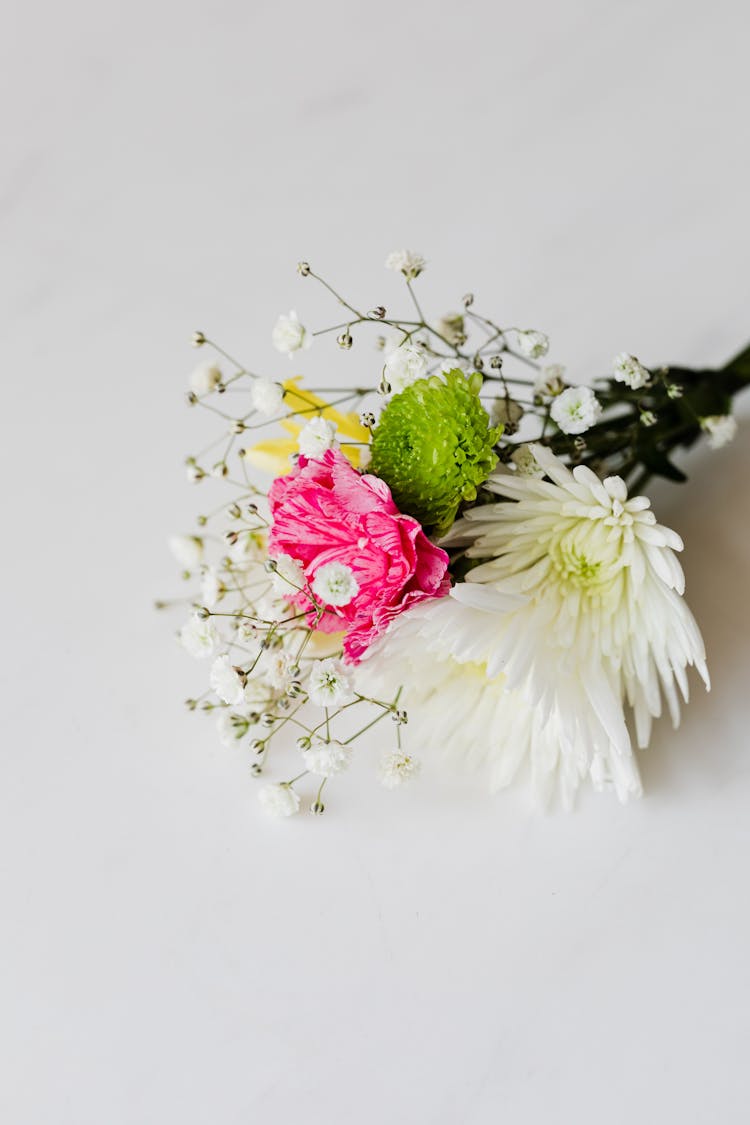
pixel 433 447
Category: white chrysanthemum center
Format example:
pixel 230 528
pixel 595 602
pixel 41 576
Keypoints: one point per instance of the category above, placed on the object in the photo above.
pixel 573 566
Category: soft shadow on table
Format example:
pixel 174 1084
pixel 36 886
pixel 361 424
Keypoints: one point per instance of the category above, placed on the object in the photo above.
pixel 711 512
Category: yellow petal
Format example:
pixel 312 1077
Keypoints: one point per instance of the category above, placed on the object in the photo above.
pixel 274 454
pixel 306 403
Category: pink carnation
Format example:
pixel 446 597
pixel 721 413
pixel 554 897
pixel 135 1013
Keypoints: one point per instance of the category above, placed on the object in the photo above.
pixel 325 512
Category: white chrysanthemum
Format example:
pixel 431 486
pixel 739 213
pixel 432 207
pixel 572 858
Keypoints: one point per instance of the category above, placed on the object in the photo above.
pixel 327 758
pixel 398 767
pixel 279 800
pixel 407 262
pixel 288 577
pixel 329 684
pixel 316 437
pixel 575 410
pixel 267 397
pixel 531 343
pixel 334 583
pixel 289 335
pixel 627 369
pixel 199 637
pixel 187 549
pixel 404 366
pixel 226 681
pixel 205 378
pixel 576 614
pixel 721 429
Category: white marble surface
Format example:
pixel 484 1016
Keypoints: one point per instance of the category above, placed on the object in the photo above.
pixel 432 956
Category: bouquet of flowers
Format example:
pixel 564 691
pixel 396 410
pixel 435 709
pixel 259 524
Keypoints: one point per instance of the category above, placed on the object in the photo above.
pixel 458 542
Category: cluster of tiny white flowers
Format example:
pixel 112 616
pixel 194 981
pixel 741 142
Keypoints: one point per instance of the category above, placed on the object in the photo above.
pixel 279 800
pixel 289 335
pixel 267 397
pixel 550 381
pixel 575 410
pixel 211 587
pixel 627 369
pixel 404 366
pixel 226 681
pixel 317 436
pixel 206 377
pixel 334 583
pixel 288 575
pixel 407 262
pixel 327 758
pixel 397 767
pixel 531 343
pixel 199 637
pixel 329 683
pixel 187 549
pixel 721 429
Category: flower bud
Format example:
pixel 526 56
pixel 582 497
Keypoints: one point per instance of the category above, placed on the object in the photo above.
pixel 197 339
pixel 344 341
pixel 303 269
pixel 377 313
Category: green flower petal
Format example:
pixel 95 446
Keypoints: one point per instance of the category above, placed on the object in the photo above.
pixel 433 447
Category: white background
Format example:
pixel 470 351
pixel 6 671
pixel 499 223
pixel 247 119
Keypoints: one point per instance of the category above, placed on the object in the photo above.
pixel 433 955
